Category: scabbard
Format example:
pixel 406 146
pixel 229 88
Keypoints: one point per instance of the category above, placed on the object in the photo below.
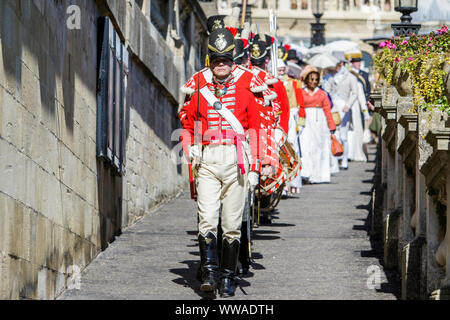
pixel 192 183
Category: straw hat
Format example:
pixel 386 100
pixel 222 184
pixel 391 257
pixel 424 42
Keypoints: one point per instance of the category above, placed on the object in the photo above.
pixel 307 70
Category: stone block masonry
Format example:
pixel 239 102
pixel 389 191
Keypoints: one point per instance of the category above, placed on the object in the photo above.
pixel 60 206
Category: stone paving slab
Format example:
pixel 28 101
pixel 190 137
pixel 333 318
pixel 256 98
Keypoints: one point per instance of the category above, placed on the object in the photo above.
pixel 316 248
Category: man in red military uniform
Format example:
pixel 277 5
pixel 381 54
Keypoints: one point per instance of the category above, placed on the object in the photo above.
pixel 225 161
pixel 259 56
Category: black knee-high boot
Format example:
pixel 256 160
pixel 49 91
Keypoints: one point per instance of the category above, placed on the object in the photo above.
pixel 244 254
pixel 208 262
pixel 228 264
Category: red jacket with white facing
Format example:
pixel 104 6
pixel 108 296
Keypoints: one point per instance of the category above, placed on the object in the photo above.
pixel 217 130
pixel 246 79
pixel 281 102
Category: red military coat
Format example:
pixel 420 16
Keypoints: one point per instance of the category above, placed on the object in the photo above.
pixel 281 102
pixel 215 129
pixel 244 79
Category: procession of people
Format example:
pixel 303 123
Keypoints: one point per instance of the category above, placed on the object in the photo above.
pixel 258 125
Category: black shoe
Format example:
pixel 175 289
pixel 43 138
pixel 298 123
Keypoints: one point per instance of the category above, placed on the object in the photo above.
pixel 209 265
pixel 230 253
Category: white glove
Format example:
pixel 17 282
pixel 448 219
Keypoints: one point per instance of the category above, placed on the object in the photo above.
pixel 253 179
pixel 194 152
pixel 278 135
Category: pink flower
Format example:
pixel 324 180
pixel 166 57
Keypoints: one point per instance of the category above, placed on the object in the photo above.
pixel 410 59
pixel 444 29
pixel 405 42
pixel 393 46
pixel 397 59
pixel 382 44
pixel 430 44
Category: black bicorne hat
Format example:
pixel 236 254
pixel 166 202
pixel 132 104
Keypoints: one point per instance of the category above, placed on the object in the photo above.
pixel 258 52
pixel 221 44
pixel 215 22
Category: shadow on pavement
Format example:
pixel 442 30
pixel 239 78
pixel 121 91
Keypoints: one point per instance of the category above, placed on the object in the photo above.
pixel 393 285
pixel 274 224
pixel 188 278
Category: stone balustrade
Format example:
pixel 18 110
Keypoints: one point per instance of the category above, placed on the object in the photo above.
pixel 410 197
pixel 307 5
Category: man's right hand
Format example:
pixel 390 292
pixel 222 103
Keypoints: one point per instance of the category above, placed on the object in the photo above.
pixel 266 171
pixel 253 179
pixel 194 152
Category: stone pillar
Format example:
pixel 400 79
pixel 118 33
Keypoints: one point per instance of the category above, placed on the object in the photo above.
pixel 446 282
pixel 434 271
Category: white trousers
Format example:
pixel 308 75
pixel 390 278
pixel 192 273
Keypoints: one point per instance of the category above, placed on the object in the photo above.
pixel 219 183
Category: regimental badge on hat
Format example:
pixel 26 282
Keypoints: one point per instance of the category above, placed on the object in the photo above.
pixel 220 42
pixel 255 50
pixel 258 52
pixel 215 22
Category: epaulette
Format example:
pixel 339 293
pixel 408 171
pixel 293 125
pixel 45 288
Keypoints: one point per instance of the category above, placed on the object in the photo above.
pixel 190 86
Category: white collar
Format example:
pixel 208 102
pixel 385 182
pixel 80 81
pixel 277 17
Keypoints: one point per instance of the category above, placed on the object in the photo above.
pixel 306 89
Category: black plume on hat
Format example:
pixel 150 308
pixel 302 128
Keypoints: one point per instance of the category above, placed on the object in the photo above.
pixel 221 44
pixel 215 22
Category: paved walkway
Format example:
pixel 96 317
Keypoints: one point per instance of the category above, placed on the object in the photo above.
pixel 317 248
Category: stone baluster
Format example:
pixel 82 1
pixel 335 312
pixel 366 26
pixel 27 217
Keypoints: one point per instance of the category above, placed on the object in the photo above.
pixel 285 5
pixel 376 226
pixel 390 213
pixel 411 247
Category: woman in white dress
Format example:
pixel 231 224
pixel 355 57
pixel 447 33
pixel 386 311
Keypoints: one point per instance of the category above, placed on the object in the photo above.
pixel 319 125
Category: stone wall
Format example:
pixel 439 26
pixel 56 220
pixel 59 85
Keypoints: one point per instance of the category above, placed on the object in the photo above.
pixel 60 205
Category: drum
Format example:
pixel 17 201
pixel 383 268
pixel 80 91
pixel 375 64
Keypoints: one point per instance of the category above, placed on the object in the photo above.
pixel 286 168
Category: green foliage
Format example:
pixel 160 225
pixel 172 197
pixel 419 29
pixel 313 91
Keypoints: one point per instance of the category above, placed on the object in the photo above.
pixel 423 58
